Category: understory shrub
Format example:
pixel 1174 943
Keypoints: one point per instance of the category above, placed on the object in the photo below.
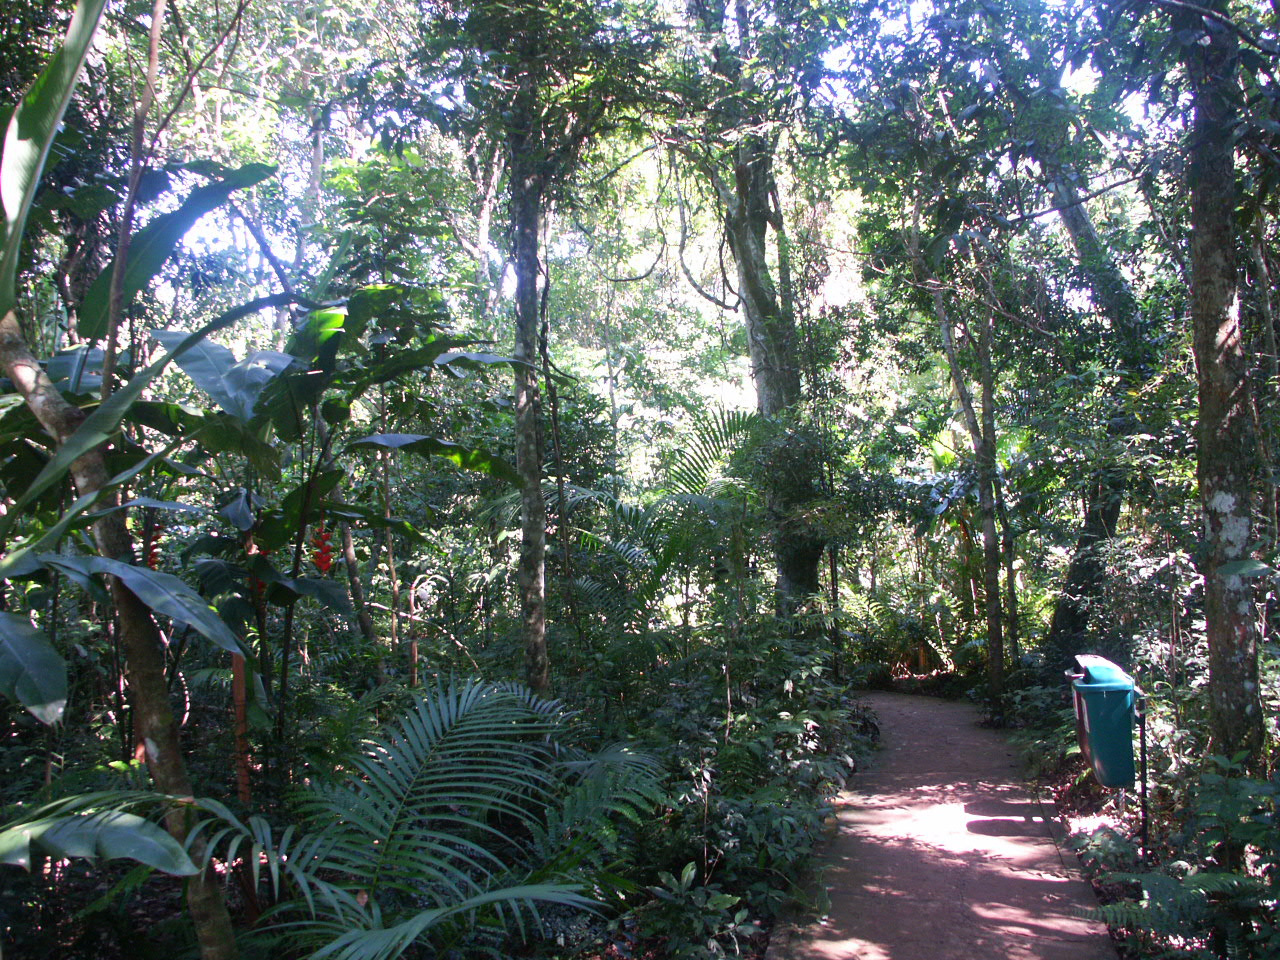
pixel 752 763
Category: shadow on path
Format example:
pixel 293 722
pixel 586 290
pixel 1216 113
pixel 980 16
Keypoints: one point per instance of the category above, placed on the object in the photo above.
pixel 942 854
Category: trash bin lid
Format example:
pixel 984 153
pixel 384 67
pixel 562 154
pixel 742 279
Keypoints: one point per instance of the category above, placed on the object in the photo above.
pixel 1101 674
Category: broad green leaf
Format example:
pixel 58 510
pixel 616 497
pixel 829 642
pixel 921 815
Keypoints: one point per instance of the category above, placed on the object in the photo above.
pixel 110 834
pixel 102 424
pixel 29 134
pixel 467 359
pixel 219 577
pixel 162 592
pixel 76 370
pixel 240 510
pixel 398 363
pixel 31 671
pixel 375 519
pixel 286 403
pixel 22 558
pixel 154 244
pixel 312 492
pixel 171 419
pixel 319 337
pixel 234 386
pixel 152 503
pixel 335 412
pixel 226 434
pixel 97 428
pixel 329 593
pixel 1245 568
pixel 468 458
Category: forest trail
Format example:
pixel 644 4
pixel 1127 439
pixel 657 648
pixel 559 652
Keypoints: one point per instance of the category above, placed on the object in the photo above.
pixel 943 853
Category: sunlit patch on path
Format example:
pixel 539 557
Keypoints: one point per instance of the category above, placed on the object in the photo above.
pixel 943 854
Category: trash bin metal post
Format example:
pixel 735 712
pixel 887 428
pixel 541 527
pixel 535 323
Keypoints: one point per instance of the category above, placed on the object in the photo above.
pixel 1140 705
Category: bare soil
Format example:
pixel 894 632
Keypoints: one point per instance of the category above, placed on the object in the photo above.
pixel 943 852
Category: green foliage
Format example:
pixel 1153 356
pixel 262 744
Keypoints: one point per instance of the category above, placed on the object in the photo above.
pixel 957 127
pixel 1218 897
pixel 162 592
pixel 464 457
pixel 753 761
pixel 31 672
pixel 155 244
pixel 106 834
pixel 234 385
pixel 454 825
pixel 716 436
pixel 695 920
pixel 29 133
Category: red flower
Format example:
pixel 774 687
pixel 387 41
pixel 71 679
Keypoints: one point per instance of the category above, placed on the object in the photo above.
pixel 322 556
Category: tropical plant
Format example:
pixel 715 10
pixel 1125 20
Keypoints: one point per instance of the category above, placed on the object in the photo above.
pixel 1218 896
pixel 466 814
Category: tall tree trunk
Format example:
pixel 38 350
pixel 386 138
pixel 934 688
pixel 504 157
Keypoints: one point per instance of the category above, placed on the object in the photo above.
pixel 393 575
pixel 1008 556
pixel 1268 383
pixel 240 714
pixel 750 210
pixel 486 201
pixel 1085 579
pixel 983 436
pixel 355 588
pixel 562 498
pixel 528 188
pixel 139 638
pixel 987 481
pixel 1084 582
pixel 1086 574
pixel 771 336
pixel 1227 463
pixel 833 575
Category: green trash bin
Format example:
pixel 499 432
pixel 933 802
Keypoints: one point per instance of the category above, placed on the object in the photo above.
pixel 1104 700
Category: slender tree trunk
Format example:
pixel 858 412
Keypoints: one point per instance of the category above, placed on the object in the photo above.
pixel 982 434
pixel 1086 574
pixel 1008 556
pixel 316 460
pixel 987 481
pixel 139 638
pixel 748 195
pixel 1085 579
pixel 258 597
pixel 239 699
pixel 833 573
pixel 1111 291
pixel 393 575
pixel 1269 382
pixel 490 174
pixel 528 187
pixel 562 511
pixel 1226 466
pixel 355 587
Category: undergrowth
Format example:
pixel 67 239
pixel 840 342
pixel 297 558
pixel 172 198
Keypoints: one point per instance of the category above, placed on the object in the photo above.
pixel 1207 884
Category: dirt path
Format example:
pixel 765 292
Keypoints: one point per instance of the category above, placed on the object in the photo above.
pixel 943 854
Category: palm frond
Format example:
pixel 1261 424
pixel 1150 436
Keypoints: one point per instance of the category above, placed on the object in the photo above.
pixel 352 939
pixel 716 436
pixel 422 803
pixel 428 827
